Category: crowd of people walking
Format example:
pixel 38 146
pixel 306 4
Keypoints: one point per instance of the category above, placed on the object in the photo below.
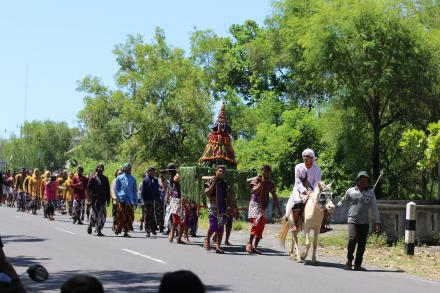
pixel 166 210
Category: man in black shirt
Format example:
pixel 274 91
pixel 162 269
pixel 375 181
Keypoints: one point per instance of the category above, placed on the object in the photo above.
pixel 98 189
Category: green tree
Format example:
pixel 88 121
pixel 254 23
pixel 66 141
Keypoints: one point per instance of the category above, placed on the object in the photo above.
pixel 281 145
pixel 43 144
pixel 368 56
pixel 160 110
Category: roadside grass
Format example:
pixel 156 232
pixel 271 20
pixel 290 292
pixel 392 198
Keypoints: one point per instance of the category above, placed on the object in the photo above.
pixel 379 254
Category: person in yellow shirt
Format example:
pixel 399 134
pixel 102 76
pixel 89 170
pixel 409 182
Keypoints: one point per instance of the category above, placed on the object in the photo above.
pixel 24 198
pixel 68 192
pixel 35 190
pixel 61 178
pixel 27 182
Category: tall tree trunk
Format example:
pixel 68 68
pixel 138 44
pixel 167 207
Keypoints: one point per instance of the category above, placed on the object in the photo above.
pixel 376 161
pixel 376 145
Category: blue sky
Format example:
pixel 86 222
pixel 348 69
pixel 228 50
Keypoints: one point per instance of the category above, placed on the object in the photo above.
pixel 62 41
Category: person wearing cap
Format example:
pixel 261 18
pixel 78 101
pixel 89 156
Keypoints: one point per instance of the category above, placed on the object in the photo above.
pixel 98 189
pixel 151 197
pixel 126 193
pixel 79 185
pixel 361 199
pixel 307 177
pixel 260 186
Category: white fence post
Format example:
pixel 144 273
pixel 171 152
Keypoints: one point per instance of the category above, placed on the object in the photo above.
pixel 410 228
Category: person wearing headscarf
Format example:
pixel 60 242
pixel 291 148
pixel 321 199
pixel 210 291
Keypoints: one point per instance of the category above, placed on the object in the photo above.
pixel 307 177
pixel 35 191
pixel 68 192
pixel 24 197
pixel 126 193
pixel 261 187
pixel 99 193
pixel 19 183
pixel 79 185
pixel 44 181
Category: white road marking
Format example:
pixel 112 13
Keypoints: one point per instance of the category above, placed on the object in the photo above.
pixel 65 231
pixel 144 256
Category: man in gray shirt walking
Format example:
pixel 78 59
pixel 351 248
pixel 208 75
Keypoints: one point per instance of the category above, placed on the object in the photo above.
pixel 360 198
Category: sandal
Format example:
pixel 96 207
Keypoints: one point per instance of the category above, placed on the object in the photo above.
pixel 256 251
pixel 219 251
pixel 206 244
pixel 249 247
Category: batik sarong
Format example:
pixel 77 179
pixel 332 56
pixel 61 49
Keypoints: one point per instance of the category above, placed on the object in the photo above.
pixel 177 210
pixel 77 208
pixel 149 216
pixel 255 211
pixel 158 212
pixel 98 216
pixel 125 218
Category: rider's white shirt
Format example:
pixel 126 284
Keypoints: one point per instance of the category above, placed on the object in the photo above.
pixel 313 176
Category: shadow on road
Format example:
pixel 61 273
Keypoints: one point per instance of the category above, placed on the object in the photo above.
pixel 21 238
pixel 25 261
pixel 112 280
pixel 342 266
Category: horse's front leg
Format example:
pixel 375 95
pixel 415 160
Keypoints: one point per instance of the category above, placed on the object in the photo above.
pixel 292 246
pixel 305 253
pixel 315 245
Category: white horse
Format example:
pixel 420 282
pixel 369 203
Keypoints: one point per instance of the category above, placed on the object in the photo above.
pixel 319 200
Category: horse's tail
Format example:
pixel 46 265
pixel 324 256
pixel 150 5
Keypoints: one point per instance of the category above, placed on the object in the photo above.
pixel 283 233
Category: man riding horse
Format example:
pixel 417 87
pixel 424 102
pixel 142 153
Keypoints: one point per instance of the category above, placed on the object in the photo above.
pixel 307 176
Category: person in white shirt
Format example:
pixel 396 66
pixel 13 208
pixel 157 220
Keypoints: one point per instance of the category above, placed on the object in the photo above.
pixel 307 176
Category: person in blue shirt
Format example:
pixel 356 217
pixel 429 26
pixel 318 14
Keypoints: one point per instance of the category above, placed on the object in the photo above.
pixel 126 194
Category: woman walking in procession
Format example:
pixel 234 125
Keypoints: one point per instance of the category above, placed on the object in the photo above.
pixel 50 196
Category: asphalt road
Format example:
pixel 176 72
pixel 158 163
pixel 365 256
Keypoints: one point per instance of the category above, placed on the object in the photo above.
pixel 137 264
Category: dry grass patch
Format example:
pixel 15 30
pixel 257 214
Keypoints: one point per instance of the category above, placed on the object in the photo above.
pixel 425 263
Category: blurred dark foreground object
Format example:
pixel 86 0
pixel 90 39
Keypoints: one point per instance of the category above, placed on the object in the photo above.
pixel 181 281
pixel 82 284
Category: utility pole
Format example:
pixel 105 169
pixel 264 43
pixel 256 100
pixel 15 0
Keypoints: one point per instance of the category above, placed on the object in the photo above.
pixel 25 94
